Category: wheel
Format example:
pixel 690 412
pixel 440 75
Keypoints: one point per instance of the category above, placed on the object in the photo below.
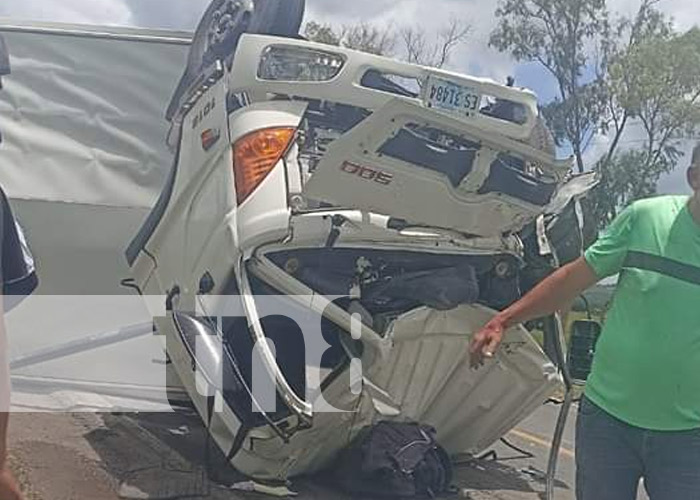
pixel 222 25
pixel 277 17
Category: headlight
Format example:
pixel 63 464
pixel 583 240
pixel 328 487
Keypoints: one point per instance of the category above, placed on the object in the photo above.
pixel 297 64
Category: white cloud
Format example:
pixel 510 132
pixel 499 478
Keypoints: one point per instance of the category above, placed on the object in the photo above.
pixel 673 183
pixel 431 16
pixel 170 14
pixel 474 57
pixel 184 14
pixel 343 11
pixel 69 11
pixel 685 13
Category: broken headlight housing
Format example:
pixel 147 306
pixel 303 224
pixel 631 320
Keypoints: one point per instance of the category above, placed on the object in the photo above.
pixel 296 64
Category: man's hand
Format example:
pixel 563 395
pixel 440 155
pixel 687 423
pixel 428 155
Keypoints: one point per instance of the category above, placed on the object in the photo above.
pixel 552 294
pixel 486 341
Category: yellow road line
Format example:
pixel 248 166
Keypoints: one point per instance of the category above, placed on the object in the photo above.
pixel 539 441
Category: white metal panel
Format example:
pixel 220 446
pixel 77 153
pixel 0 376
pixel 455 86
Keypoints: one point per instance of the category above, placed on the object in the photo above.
pixel 415 193
pixel 429 378
pixel 82 113
pixel 83 158
pixel 264 216
pixel 346 87
pixel 425 378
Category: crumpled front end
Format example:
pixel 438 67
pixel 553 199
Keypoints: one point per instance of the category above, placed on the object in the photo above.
pixel 425 377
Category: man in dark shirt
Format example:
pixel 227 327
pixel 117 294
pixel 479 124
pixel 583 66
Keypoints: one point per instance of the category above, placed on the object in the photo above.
pixel 18 279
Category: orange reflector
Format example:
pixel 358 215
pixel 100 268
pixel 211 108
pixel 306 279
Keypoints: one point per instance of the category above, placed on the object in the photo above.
pixel 255 155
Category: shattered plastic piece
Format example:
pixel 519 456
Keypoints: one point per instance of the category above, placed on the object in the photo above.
pixel 130 492
pixel 273 491
pixel 542 239
pixel 183 430
pixel 533 473
pixel 248 486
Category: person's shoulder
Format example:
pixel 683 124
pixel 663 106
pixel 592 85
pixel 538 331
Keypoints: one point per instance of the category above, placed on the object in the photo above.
pixel 659 204
pixel 656 212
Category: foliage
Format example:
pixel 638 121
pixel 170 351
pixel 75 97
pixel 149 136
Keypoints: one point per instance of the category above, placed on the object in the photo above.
pixel 420 49
pixel 412 43
pixel 656 84
pixel 556 33
pixel 611 76
pixel 321 33
pixel 363 36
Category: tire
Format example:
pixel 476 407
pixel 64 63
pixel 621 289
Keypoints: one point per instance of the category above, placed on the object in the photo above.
pixel 277 17
pixel 269 17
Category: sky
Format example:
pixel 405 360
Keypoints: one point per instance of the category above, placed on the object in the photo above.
pixel 475 57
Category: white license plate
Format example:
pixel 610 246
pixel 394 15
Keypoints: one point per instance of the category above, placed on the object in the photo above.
pixel 449 96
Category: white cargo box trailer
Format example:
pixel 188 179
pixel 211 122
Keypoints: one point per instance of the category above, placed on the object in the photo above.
pixel 83 159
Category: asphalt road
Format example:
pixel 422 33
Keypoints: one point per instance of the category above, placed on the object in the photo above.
pixel 160 456
pixel 535 434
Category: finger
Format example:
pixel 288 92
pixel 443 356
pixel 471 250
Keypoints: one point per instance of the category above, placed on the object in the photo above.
pixel 475 346
pixel 477 342
pixel 490 349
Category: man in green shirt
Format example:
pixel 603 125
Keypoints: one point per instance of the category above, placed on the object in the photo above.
pixel 640 416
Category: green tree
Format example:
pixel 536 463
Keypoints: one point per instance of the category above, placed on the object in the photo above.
pixel 321 33
pixel 634 71
pixel 655 84
pixel 556 33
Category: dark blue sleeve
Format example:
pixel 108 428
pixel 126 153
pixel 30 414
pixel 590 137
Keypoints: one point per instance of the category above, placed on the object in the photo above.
pixel 17 269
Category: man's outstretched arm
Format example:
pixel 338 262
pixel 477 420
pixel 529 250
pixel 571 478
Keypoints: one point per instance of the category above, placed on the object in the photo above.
pixel 552 294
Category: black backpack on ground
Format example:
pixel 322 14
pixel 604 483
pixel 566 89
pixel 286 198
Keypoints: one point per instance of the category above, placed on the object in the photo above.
pixel 395 460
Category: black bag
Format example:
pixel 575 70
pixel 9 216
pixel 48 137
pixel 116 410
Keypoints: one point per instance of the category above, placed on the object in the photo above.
pixel 395 460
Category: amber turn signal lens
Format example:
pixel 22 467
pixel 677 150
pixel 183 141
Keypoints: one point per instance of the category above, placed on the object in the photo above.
pixel 255 155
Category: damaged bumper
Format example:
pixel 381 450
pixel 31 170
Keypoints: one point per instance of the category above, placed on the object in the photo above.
pixel 397 350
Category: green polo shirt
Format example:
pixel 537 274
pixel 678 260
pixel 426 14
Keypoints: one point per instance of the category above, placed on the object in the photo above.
pixel 646 370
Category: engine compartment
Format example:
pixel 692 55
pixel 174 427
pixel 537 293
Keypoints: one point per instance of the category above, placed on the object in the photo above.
pixel 390 283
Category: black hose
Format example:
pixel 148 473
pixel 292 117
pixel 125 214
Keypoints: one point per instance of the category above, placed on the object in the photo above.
pixel 492 455
pixel 526 454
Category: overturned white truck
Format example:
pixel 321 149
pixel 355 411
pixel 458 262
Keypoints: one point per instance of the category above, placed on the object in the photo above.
pixel 401 204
